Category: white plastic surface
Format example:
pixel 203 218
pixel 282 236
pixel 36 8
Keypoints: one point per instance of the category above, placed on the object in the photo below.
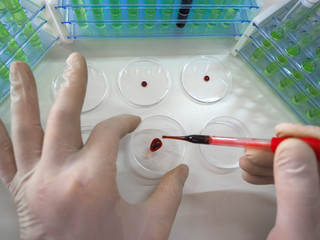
pixel 214 206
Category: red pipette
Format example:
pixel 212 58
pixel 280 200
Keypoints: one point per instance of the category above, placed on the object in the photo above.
pixel 271 144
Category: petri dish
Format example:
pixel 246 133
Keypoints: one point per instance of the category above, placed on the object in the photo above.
pixel 223 157
pixel 205 79
pixel 97 88
pixel 144 82
pixel 145 160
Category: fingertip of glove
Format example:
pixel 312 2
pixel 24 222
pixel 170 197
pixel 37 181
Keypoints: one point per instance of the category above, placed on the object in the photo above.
pixel 182 172
pixel 293 153
pixel 16 67
pixel 282 127
pixel 176 177
pixel 76 59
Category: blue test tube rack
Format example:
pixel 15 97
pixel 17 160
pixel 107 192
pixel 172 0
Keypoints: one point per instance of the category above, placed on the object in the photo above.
pixel 26 41
pixel 157 18
pixel 287 58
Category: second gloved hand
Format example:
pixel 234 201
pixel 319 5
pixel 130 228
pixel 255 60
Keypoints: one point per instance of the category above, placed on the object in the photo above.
pixel 295 171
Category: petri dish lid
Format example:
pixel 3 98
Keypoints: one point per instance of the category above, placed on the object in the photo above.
pixel 97 88
pixel 144 82
pixel 223 157
pixel 205 79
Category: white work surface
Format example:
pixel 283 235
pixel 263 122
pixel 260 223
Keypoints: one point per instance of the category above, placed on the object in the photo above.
pixel 214 205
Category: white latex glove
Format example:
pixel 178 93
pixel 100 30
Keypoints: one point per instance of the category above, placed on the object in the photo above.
pixel 64 189
pixel 296 178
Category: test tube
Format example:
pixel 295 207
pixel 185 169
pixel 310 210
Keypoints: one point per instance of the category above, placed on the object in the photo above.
pixel 313 91
pixel 12 46
pixel 115 12
pixel 301 11
pixel 282 60
pixel 16 11
pixel 20 17
pixel 307 39
pixel 80 13
pixel 29 31
pixel 150 13
pixel 231 13
pixel 98 14
pixel 302 97
pixel 199 13
pixel 183 13
pixel 277 34
pixel 293 50
pixel 317 54
pixel 285 83
pixel 309 66
pixel 297 75
pixel 133 13
pixel 3 13
pixel 259 52
pixel 4 71
pixel 313 113
pixel 271 69
pixel 299 98
pixel 215 14
pixel 166 13
pixel 3 9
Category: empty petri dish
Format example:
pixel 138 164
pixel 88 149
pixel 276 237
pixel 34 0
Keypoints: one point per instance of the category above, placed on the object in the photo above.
pixel 205 79
pixel 152 156
pixel 97 88
pixel 144 82
pixel 223 157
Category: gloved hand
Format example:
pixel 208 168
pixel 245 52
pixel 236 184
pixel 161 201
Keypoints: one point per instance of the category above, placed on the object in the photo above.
pixel 296 177
pixel 64 189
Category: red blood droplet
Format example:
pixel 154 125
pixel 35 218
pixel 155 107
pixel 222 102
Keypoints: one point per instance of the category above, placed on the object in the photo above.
pixel 206 78
pixel 155 145
pixel 144 84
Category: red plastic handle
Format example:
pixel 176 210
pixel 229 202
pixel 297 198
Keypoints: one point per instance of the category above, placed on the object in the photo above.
pixel 313 142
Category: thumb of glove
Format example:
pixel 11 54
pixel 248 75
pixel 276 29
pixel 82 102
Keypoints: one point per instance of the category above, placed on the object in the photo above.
pixel 298 192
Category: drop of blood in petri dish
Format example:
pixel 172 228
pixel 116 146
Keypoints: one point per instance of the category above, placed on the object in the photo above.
pixel 206 78
pixel 155 145
pixel 144 84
